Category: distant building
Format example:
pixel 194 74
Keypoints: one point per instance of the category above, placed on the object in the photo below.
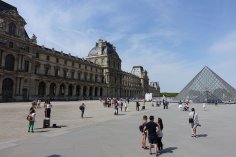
pixel 29 71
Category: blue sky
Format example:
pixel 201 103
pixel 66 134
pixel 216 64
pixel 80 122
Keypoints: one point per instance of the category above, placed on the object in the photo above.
pixel 172 39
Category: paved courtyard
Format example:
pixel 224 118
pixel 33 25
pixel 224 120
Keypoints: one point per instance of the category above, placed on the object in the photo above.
pixel 102 134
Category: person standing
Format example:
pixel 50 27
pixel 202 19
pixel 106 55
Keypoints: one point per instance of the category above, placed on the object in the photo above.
pixel 160 134
pixel 82 109
pixel 48 108
pixel 144 133
pixel 151 128
pixel 31 119
pixel 137 106
pixel 204 106
pixel 125 105
pixel 193 120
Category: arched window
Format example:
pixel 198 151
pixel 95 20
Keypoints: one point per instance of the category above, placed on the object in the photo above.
pixel 12 29
pixel 84 91
pixel 52 89
pixel 62 90
pixel 7 88
pixel 41 89
pixel 9 62
pixel 70 90
pixel 78 90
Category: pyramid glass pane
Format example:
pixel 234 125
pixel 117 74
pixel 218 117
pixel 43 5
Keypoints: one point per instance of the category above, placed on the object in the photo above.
pixel 207 86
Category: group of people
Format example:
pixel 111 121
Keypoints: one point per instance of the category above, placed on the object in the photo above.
pixel 32 112
pixel 153 131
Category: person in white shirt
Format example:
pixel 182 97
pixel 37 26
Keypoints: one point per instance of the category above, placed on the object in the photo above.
pixel 31 119
pixel 194 122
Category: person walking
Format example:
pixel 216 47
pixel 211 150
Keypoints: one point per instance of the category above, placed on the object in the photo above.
pixel 82 109
pixel 144 133
pixel 193 120
pixel 151 128
pixel 31 119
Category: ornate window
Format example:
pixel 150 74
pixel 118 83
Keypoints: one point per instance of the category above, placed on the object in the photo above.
pixel 12 29
pixel 56 72
pixel 37 55
pixel 72 74
pixel 11 45
pixel 46 69
pixel 9 62
pixel 26 66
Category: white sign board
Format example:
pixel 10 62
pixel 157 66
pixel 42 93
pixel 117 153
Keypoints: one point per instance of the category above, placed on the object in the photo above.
pixel 148 96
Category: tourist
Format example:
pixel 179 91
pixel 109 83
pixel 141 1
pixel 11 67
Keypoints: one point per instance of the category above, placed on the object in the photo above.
pixel 180 105
pixel 160 134
pixel 137 106
pixel 31 119
pixel 193 120
pixel 38 103
pixel 144 133
pixel 116 108
pixel 204 106
pixel 82 109
pixel 48 109
pixel 125 106
pixel 143 107
pixel 151 127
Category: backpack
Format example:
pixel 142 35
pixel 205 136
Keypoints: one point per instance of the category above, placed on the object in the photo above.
pixel 29 117
pixel 81 107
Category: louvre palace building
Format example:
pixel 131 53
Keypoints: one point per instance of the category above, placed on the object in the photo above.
pixel 29 71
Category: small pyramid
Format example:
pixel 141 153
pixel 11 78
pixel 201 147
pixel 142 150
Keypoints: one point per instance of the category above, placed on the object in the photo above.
pixel 207 86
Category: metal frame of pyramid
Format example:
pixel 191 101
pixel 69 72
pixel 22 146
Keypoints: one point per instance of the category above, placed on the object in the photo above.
pixel 207 86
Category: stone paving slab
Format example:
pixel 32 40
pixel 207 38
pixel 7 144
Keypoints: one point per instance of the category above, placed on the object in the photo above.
pixel 119 135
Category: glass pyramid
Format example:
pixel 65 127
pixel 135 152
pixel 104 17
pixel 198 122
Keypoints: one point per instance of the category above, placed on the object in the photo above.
pixel 207 86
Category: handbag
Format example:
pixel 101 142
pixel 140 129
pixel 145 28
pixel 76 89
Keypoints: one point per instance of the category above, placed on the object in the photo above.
pixel 190 120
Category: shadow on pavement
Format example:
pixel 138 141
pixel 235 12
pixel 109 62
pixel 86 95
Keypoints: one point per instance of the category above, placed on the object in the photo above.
pixel 202 135
pixel 54 155
pixel 120 114
pixel 168 150
pixel 41 131
pixel 88 117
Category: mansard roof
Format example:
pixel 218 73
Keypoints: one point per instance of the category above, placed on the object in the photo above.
pixel 102 48
pixel 6 6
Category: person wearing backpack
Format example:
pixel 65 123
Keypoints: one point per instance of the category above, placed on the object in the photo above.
pixel 31 119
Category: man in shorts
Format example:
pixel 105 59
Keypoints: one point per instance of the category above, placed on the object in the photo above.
pixel 151 127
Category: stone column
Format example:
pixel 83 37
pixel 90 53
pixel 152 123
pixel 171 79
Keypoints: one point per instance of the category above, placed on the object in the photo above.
pixel 66 89
pixel 81 91
pixel 1 79
pixel 20 86
pixel 74 90
pixel 1 52
pixel 36 82
pixel 57 89
pixel 47 88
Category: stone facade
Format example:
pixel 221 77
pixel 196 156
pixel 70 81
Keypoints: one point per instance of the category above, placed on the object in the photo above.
pixel 29 71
